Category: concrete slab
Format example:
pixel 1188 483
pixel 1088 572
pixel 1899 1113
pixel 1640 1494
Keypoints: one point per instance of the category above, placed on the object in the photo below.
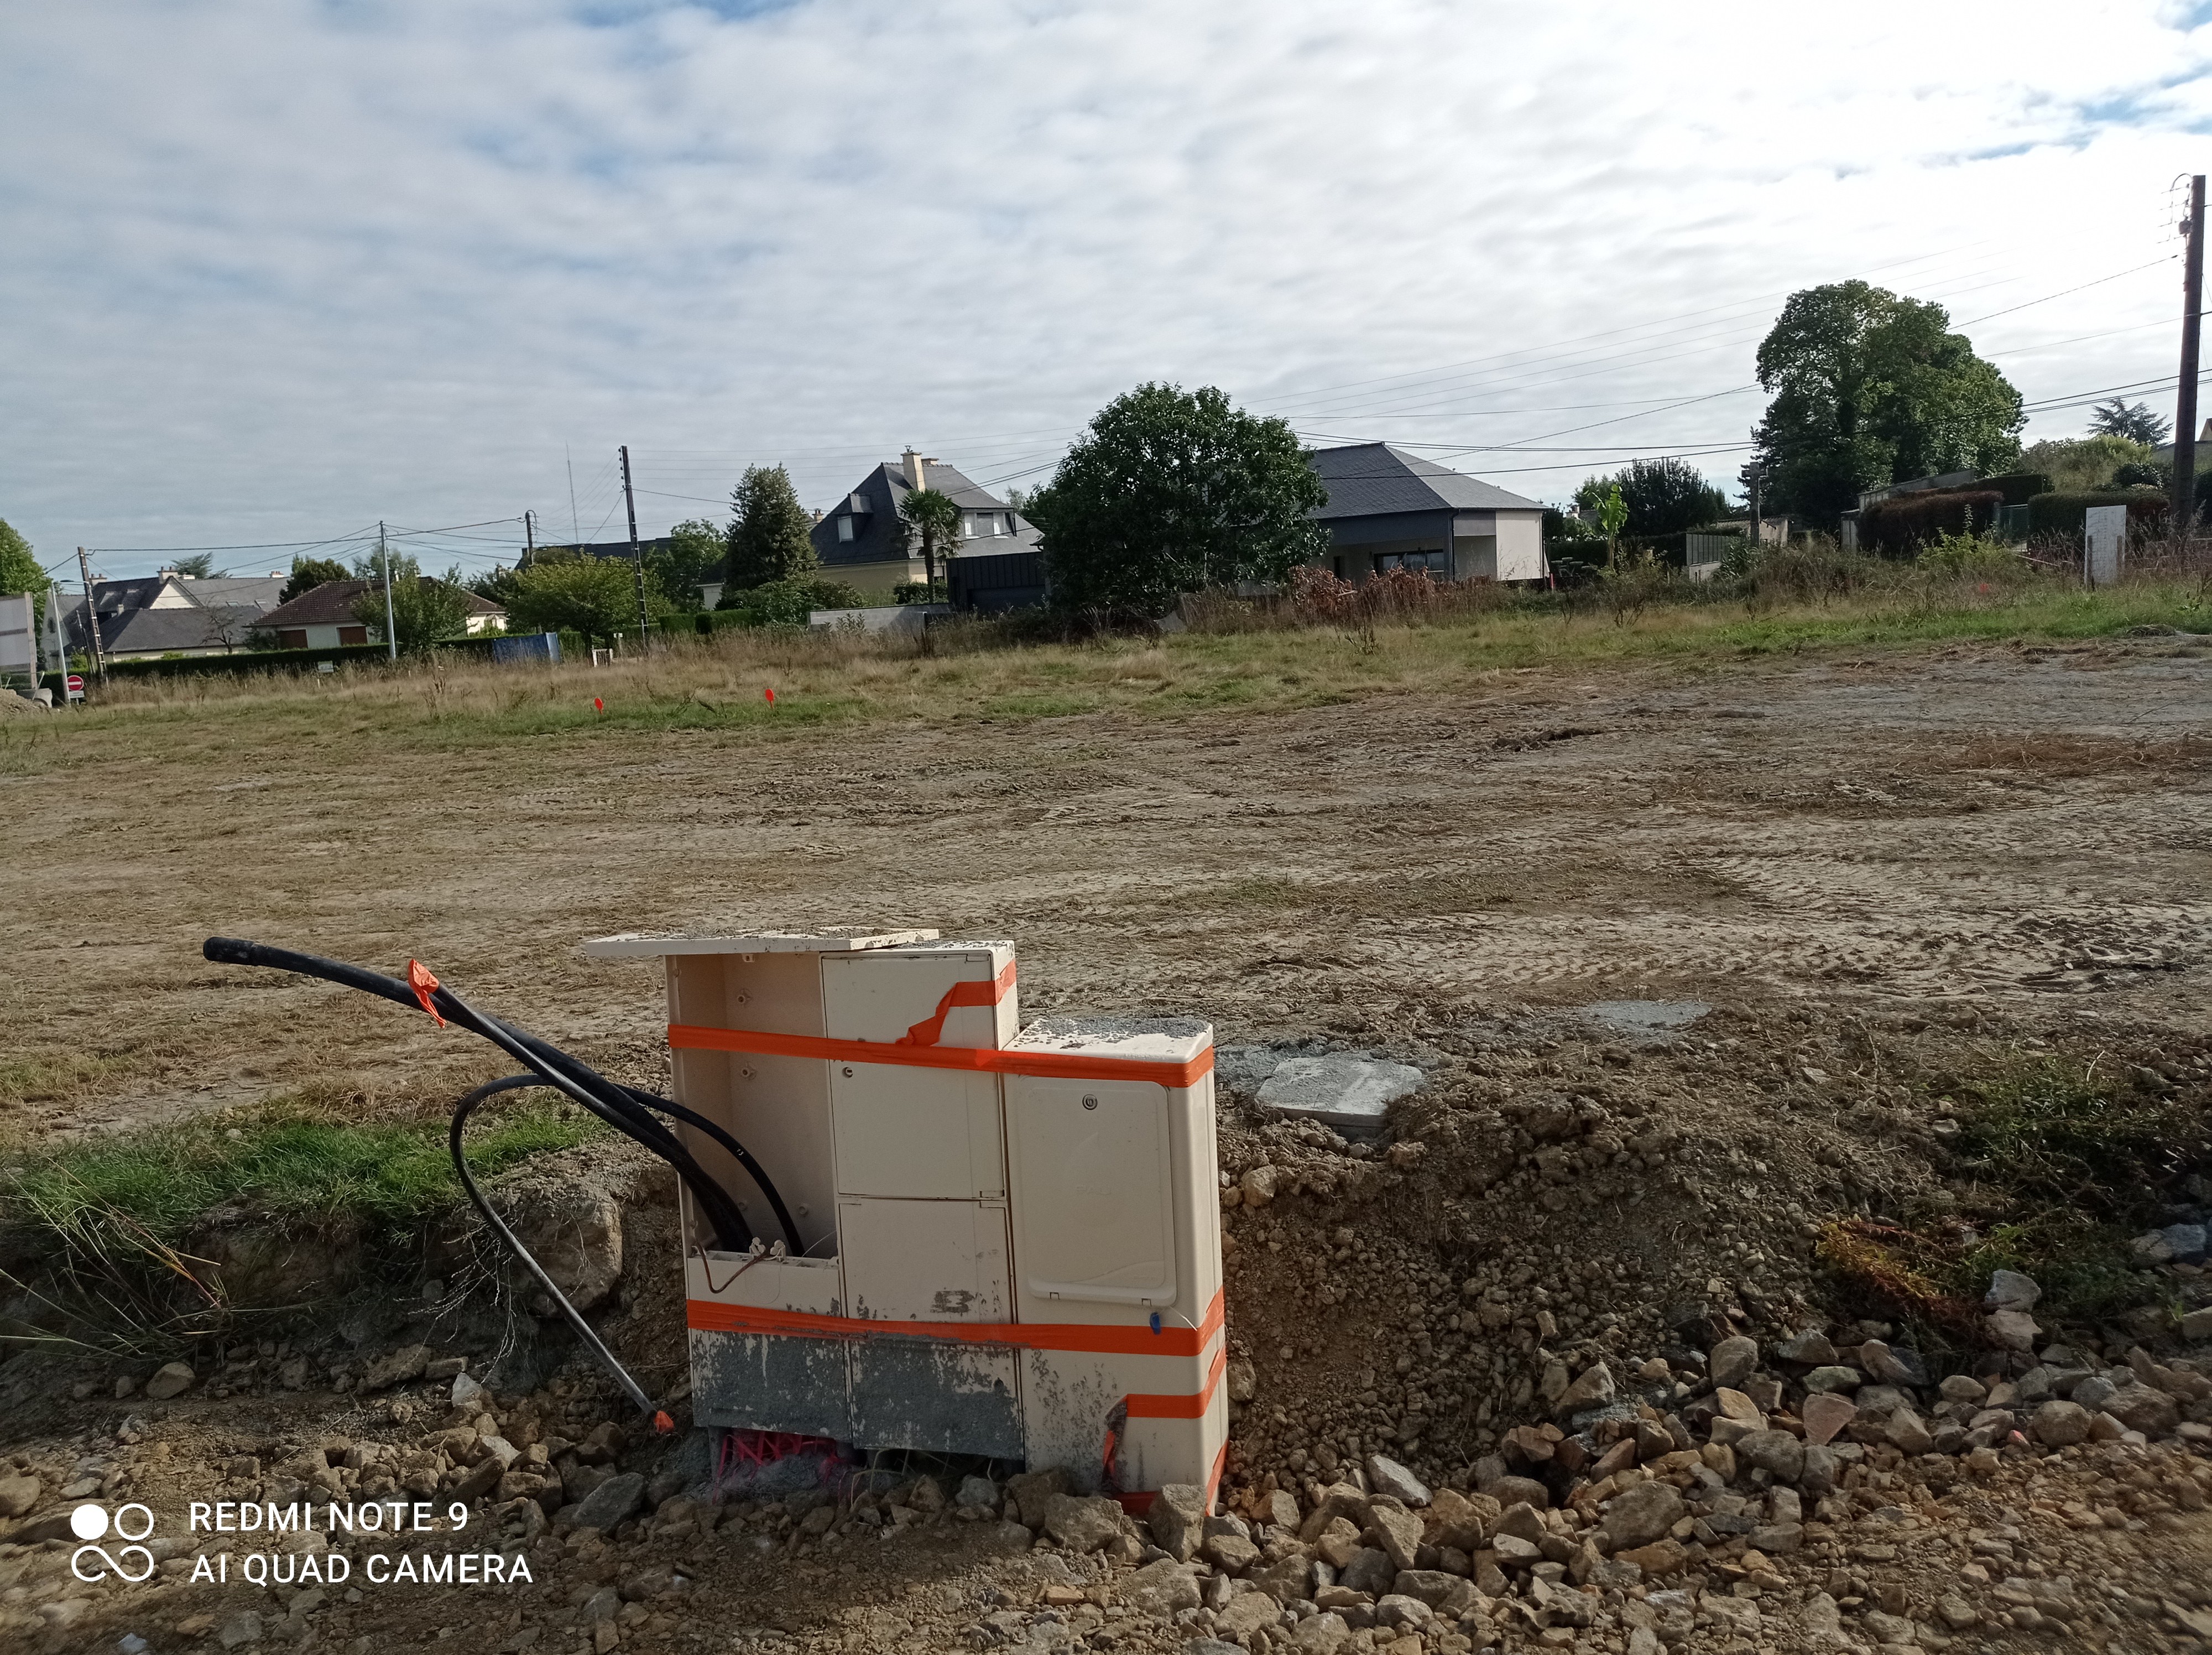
pixel 1349 1094
pixel 1647 1020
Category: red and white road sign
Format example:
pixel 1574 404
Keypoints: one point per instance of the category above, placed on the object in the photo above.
pixel 75 683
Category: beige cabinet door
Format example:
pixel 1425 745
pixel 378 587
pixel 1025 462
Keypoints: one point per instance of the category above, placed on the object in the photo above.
pixel 926 1134
pixel 1094 1197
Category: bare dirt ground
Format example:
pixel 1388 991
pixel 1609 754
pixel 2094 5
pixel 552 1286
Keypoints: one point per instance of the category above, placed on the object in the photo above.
pixel 1870 867
pixel 2001 825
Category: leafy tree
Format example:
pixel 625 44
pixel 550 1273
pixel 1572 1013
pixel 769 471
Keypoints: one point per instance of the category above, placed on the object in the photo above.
pixel 1612 517
pixel 495 585
pixel 425 611
pixel 2135 422
pixel 200 565
pixel 308 574
pixel 595 596
pixel 931 514
pixel 1869 389
pixel 1665 497
pixel 677 568
pixel 769 529
pixel 1172 491
pixel 19 570
pixel 2139 474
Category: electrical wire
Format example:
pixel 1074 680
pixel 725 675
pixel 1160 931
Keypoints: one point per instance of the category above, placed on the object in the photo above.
pixel 626 1109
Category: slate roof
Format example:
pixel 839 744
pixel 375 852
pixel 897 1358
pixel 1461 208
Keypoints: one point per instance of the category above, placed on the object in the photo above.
pixel 330 604
pixel 883 489
pixel 1373 479
pixel 158 632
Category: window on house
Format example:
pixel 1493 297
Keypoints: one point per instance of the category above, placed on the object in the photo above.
pixel 1431 562
pixel 844 528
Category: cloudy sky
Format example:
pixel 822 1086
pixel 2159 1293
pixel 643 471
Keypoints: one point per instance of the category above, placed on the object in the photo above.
pixel 275 269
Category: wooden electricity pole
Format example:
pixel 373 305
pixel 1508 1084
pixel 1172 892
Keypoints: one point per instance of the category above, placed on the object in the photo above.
pixel 2184 407
pixel 636 556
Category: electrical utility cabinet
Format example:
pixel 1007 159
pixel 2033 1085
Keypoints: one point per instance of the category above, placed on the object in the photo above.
pixel 1010 1239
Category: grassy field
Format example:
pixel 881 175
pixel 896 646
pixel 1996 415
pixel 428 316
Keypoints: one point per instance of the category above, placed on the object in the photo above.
pixel 972 673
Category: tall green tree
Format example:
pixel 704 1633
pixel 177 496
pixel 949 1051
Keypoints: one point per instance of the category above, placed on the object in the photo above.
pixel 20 571
pixel 1665 497
pixel 595 596
pixel 931 516
pixel 200 565
pixel 425 610
pixel 692 549
pixel 2134 421
pixel 1869 389
pixel 768 537
pixel 1171 491
pixel 308 574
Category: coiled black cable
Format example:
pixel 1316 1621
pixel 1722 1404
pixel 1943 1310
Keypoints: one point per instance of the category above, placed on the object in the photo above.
pixel 626 1109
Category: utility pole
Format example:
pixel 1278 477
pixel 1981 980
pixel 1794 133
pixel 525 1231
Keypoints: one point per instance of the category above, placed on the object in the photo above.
pixel 637 555
pixel 390 632
pixel 529 541
pixel 91 625
pixel 2185 408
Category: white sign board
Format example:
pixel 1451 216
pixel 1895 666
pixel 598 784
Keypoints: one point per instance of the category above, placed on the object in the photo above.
pixel 19 638
pixel 2104 540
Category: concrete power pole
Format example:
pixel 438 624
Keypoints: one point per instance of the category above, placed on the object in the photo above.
pixel 390 632
pixel 2185 408
pixel 636 556
pixel 91 625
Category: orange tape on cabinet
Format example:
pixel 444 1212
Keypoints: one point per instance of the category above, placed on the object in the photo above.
pixel 708 1316
pixel 930 1029
pixel 1168 1407
pixel 1017 1060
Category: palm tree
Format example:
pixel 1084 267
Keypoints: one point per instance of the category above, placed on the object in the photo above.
pixel 931 514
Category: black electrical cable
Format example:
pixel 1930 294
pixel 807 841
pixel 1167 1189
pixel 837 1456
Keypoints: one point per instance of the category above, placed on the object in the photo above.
pixel 461 1111
pixel 490 1089
pixel 623 1108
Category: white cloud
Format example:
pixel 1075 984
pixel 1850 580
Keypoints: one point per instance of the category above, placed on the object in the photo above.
pixel 281 268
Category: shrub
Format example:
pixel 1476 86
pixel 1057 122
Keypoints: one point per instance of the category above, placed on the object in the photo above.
pixel 1970 554
pixel 788 603
pixel 1896 526
pixel 2139 474
pixel 920 592
pixel 2063 513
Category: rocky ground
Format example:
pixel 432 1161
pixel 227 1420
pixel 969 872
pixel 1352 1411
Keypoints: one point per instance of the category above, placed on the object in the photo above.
pixel 1550 1363
pixel 1629 1330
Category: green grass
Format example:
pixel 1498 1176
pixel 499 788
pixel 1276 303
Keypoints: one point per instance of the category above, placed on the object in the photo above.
pixel 2070 1162
pixel 714 690
pixel 289 1160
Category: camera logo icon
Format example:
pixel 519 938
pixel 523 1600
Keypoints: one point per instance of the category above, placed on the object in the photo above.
pixel 90 1523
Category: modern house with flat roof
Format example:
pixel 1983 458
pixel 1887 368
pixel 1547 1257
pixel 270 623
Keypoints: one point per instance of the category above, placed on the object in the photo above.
pixel 1389 509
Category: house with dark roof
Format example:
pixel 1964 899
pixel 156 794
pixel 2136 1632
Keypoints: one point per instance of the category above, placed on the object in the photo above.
pixel 173 614
pixel 1389 509
pixel 858 539
pixel 322 616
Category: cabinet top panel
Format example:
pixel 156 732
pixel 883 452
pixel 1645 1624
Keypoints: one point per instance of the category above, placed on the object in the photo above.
pixel 632 945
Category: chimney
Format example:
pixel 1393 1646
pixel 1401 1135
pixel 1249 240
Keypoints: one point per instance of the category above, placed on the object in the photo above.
pixel 913 464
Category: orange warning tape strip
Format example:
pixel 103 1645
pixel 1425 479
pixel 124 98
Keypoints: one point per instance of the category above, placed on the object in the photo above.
pixel 1018 1059
pixel 1193 1407
pixel 710 1315
pixel 974 992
